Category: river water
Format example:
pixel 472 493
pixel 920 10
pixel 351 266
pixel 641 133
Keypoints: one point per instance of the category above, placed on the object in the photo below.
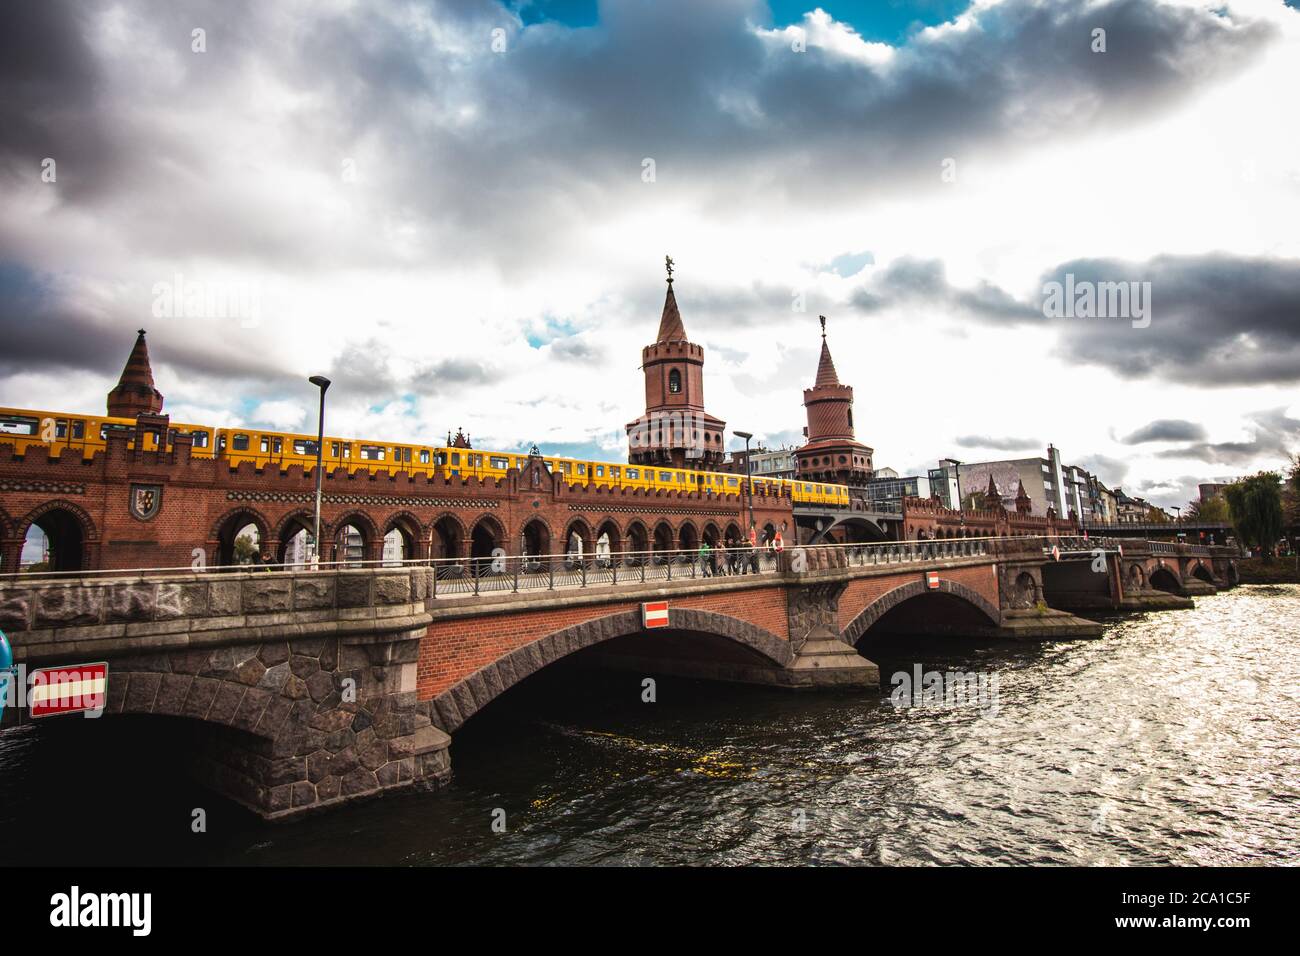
pixel 1174 739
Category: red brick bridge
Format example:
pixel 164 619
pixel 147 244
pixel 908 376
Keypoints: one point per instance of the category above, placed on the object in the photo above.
pixel 311 688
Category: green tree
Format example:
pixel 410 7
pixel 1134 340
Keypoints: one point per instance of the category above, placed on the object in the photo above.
pixel 1214 510
pixel 1255 505
pixel 245 549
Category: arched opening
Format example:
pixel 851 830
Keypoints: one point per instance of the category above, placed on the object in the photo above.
pixel 578 541
pixel 447 538
pixel 608 538
pixel 536 538
pixel 674 381
pixel 663 537
pixel 1137 578
pixel 638 541
pixel 688 538
pixel 1203 573
pixel 769 531
pixel 926 613
pixel 295 545
pixel 54 542
pixel 399 546
pixel 732 535
pixel 1163 579
pixel 350 546
pixel 711 535
pixel 240 539
pixel 484 539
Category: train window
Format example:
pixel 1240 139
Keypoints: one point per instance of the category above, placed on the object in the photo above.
pixel 600 471
pixel 406 454
pixel 19 425
pixel 665 476
pixel 732 482
pixel 440 458
pixel 200 439
pixel 476 461
pixel 680 478
pixel 305 446
pixel 372 452
pixel 455 460
pixel 266 444
pixel 566 466
pixel 424 456
pixel 277 445
pixel 633 474
pixel 582 469
pixel 239 442
pixel 499 463
pixel 613 471
pixel 112 427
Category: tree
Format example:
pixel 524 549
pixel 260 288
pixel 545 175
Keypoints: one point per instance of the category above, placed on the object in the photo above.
pixel 1255 505
pixel 1157 515
pixel 245 549
pixel 1212 511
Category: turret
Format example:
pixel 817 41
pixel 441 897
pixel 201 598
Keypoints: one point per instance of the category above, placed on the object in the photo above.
pixel 135 392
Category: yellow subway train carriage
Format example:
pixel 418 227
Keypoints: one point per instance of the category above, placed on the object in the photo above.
pixel 87 434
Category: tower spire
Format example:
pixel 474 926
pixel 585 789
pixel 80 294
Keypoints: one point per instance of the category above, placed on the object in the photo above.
pixel 135 392
pixel 826 366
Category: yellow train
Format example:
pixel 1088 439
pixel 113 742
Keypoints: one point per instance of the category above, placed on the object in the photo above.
pixel 88 434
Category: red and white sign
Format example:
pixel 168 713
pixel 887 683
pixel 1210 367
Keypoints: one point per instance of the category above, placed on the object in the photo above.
pixel 1056 553
pixel 71 689
pixel 654 614
pixel 932 580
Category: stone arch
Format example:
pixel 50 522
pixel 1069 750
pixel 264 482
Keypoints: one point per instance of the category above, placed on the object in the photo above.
pixel 67 527
pixel 365 527
pixel 688 538
pixel 711 534
pixel 535 537
pixel 486 534
pixel 608 526
pixel 873 612
pixel 1203 573
pixel 579 527
pixel 288 529
pixel 664 539
pixel 1165 578
pixel 637 538
pixel 412 538
pixel 1137 575
pixel 450 709
pixel 448 536
pixel 732 532
pixel 227 528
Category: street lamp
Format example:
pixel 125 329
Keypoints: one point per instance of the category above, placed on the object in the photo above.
pixel 749 471
pixel 321 382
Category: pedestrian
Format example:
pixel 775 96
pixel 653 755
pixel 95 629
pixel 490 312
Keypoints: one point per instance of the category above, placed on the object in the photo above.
pixel 704 558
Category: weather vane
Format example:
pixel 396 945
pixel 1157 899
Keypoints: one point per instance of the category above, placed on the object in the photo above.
pixel 823 318
pixel 668 264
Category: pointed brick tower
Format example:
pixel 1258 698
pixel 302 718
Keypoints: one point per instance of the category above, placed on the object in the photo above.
pixel 1024 504
pixel 675 431
pixel 992 497
pixel 135 393
pixel 832 452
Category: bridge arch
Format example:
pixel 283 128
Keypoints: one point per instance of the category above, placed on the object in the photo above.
pixel 535 537
pixel 711 535
pixel 450 709
pixel 410 537
pixel 449 535
pixel 486 535
pixel 347 550
pixel 608 526
pixel 1203 573
pixel 69 532
pixel 289 529
pixel 688 539
pixel 638 539
pixel 579 527
pixel 1164 578
pixel 874 612
pixel 228 528
pixel 664 539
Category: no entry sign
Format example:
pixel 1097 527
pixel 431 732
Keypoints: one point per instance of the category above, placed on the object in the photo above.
pixel 654 614
pixel 71 689
pixel 932 580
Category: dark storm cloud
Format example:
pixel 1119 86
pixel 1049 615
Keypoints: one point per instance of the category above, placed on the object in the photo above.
pixel 1276 435
pixel 1215 319
pixel 1166 429
pixel 908 280
pixel 998 444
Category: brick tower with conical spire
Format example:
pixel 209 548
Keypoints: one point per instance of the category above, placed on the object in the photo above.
pixel 832 452
pixel 135 393
pixel 675 430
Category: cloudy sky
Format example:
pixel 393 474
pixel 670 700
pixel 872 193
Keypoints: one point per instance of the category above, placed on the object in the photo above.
pixel 458 211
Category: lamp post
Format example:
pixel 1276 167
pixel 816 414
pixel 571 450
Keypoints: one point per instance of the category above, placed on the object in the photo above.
pixel 749 471
pixel 321 382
